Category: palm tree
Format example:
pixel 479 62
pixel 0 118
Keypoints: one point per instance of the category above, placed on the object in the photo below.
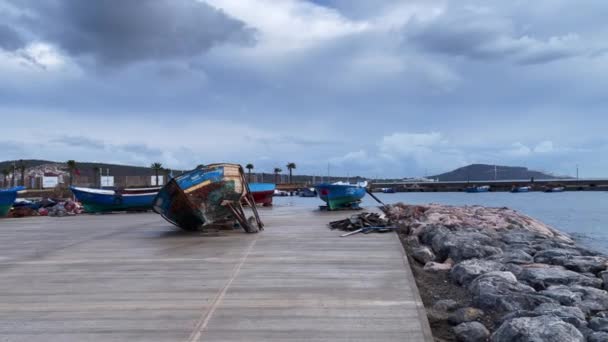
pixel 249 167
pixel 71 169
pixel 157 167
pixel 21 167
pixel 277 170
pixel 290 167
pixel 5 173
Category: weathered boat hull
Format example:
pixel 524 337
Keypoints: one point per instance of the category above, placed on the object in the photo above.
pixel 7 198
pixel 340 196
pixel 204 196
pixel 262 193
pixel 96 201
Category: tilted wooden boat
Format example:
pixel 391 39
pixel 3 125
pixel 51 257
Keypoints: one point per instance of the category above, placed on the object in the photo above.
pixel 208 195
pixel 7 198
pixel 341 195
pixel 262 193
pixel 98 200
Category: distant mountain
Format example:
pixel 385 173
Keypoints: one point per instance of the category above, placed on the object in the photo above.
pixel 483 172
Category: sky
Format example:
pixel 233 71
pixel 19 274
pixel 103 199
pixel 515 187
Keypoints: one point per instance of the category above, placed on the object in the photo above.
pixel 372 88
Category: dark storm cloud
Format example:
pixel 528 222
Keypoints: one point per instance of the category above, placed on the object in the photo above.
pixel 126 31
pixel 468 34
pixel 9 38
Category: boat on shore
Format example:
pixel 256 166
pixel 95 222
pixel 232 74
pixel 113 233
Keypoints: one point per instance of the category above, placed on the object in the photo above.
pixel 520 189
pixel 307 192
pixel 262 193
pixel 211 194
pixel 7 199
pixel 477 189
pixel 100 200
pixel 341 195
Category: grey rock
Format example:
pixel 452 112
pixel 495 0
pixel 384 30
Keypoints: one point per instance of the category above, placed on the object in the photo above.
pixel 543 277
pixel 596 323
pixel 464 245
pixel 513 268
pixel 541 328
pixel 604 277
pixel 423 254
pixel 463 315
pixel 598 336
pixel 445 305
pixel 471 332
pixel 520 237
pixel 435 316
pixel 594 300
pixel 602 314
pixel 562 294
pixel 514 257
pixel 500 291
pixel 569 314
pixel 549 255
pixel 581 264
pixel 464 272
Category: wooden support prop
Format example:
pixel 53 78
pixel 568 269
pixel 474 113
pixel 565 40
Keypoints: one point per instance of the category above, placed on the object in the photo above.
pixel 374 197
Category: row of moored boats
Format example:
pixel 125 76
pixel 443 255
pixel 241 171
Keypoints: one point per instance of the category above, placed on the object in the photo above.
pixel 207 195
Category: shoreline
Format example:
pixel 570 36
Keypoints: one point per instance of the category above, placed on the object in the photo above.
pixel 493 273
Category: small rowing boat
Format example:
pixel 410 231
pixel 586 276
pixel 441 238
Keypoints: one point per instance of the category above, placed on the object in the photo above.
pixel 341 195
pixel 99 200
pixel 7 199
pixel 211 194
pixel 520 189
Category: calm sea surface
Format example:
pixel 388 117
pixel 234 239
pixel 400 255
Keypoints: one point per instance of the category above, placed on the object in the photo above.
pixel 583 215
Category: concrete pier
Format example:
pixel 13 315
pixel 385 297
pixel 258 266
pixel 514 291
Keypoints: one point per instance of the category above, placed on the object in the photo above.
pixel 134 277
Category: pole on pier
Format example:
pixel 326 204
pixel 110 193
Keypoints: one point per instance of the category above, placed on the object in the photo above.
pixel 374 197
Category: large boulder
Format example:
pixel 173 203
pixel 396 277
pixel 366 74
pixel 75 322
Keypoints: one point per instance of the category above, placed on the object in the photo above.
pixel 463 245
pixel 471 332
pixel 543 276
pixel 569 314
pixel 513 257
pixel 464 272
pixel 563 294
pixel 540 328
pixel 598 324
pixel 423 254
pixel 598 336
pixel 593 300
pixel 500 291
pixel 583 264
pixel 548 256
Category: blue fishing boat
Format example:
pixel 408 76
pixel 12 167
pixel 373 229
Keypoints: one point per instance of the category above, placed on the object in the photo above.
pixel 341 195
pixel 477 189
pixel 98 200
pixel 519 189
pixel 262 193
pixel 7 199
pixel 211 194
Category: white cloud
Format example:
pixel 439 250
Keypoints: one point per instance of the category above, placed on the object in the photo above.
pixel 518 150
pixel 544 147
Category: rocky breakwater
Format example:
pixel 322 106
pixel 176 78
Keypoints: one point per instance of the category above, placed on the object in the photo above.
pixel 495 274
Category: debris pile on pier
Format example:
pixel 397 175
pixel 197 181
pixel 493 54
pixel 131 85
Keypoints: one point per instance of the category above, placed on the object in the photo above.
pixel 524 274
pixel 363 223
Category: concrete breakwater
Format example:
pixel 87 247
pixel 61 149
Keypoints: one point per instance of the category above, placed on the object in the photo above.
pixel 495 274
